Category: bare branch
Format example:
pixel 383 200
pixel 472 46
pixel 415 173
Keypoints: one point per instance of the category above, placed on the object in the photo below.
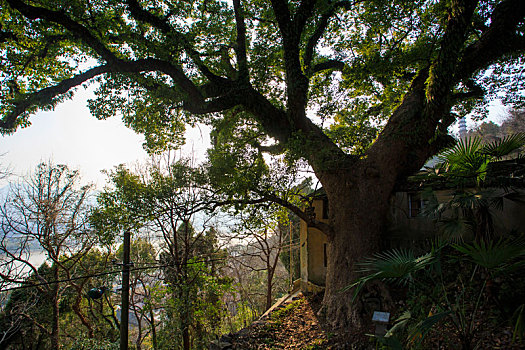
pixel 310 221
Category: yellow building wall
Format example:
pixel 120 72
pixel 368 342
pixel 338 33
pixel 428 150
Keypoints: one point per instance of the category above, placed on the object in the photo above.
pixel 303 251
pixel 316 257
pixel 312 250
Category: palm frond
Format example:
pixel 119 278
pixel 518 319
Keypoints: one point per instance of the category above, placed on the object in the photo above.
pixel 494 255
pixel 504 146
pixel 432 208
pixel 515 197
pixel 496 201
pixel 400 323
pixel 463 161
pixel 455 229
pixel 463 149
pixel 390 343
pixel 469 200
pixel 396 266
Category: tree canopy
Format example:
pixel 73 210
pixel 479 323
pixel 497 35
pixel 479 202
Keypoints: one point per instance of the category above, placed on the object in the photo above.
pixel 163 64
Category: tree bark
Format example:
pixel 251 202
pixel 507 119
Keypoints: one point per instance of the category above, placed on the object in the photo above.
pixel 269 285
pixel 77 310
pixel 357 215
pixel 185 318
pixel 153 329
pixel 186 337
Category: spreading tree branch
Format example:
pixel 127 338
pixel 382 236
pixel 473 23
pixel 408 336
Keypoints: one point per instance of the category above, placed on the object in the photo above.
pixel 59 17
pixel 318 33
pixel 240 48
pixel 147 17
pixel 163 25
pixel 330 64
pixel 274 149
pixel 498 40
pixel 301 17
pixel 46 95
pixel 316 36
pixel 475 91
pixel 282 14
pixel 309 219
pixel 441 75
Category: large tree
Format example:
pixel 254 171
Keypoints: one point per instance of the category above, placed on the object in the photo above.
pixel 261 71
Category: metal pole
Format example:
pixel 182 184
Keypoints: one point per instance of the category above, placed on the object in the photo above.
pixel 291 271
pixel 124 314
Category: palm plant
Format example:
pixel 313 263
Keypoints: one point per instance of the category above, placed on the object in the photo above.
pixel 458 302
pixel 469 159
pixel 463 168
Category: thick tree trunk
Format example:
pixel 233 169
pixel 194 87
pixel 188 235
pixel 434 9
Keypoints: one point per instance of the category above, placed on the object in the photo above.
pixel 358 204
pixel 358 225
pixel 358 195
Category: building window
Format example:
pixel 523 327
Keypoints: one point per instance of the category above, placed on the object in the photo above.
pixel 325 257
pixel 415 204
pixel 325 208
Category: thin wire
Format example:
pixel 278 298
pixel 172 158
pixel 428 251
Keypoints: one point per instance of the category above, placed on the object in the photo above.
pixel 150 265
pixel 104 274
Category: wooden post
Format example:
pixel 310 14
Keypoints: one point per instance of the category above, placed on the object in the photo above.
pixel 124 309
pixel 291 271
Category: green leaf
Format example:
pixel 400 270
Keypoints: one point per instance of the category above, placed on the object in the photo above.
pixel 519 323
pixel 419 332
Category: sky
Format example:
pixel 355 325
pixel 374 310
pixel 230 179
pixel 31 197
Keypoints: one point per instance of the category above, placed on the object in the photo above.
pixel 70 135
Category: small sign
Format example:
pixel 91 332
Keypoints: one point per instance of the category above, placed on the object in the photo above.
pixel 382 317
